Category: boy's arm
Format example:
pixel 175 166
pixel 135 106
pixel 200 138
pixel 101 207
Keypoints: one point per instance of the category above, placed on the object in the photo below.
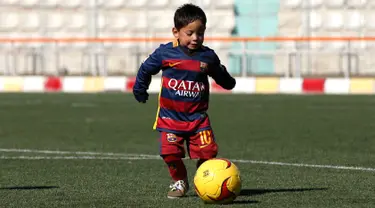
pixel 149 67
pixel 221 76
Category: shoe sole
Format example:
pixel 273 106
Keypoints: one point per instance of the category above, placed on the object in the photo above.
pixel 174 197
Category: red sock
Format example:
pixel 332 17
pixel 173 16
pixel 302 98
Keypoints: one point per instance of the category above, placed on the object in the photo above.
pixel 176 167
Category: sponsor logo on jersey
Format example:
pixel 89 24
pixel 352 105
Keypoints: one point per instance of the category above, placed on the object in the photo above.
pixel 174 64
pixel 186 88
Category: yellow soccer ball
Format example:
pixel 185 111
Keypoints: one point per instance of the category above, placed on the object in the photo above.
pixel 217 181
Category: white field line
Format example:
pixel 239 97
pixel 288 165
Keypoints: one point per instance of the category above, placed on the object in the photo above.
pixel 83 105
pixel 121 156
pixel 40 102
pixel 25 103
pixel 305 165
pixel 73 158
pixel 56 152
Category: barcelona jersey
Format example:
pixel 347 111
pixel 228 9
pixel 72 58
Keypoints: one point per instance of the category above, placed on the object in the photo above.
pixel 184 95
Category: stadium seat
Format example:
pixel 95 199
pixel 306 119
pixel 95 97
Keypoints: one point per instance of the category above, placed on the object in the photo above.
pixel 29 3
pixel 72 4
pixel 371 3
pixel 10 2
pixel 354 20
pixel 289 20
pixel 102 21
pixel 76 22
pixel 226 21
pixel 334 3
pixel 112 4
pixel 9 21
pixel 30 21
pixel 131 4
pixel 177 3
pixel 162 20
pixel 315 3
pixel 207 3
pixel 50 3
pixel 356 3
pixel 140 22
pixel 118 21
pixel 55 21
pixel 333 21
pixel 370 21
pixel 223 4
pixel 158 4
pixel 292 4
pixel 212 22
pixel 315 20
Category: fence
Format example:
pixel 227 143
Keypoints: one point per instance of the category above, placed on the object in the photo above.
pixel 293 56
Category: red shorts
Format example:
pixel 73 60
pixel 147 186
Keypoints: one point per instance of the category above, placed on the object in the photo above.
pixel 200 145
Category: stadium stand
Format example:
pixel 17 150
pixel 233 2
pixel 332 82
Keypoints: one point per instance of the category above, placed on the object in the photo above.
pixel 226 18
pixel 327 18
pixel 113 18
pixel 254 19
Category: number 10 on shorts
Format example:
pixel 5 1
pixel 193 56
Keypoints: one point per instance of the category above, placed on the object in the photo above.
pixel 206 138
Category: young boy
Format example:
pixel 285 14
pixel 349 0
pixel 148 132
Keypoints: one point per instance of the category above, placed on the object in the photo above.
pixel 184 96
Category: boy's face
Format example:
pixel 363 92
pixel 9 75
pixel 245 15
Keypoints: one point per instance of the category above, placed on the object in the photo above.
pixel 192 35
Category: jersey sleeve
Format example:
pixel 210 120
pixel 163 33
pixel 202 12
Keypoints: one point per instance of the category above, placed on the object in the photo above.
pixel 151 66
pixel 219 73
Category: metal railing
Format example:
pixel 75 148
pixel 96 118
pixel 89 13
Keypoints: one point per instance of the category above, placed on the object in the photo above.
pixel 95 58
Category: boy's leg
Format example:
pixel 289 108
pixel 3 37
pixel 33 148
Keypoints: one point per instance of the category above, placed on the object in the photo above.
pixel 202 146
pixel 176 167
pixel 172 151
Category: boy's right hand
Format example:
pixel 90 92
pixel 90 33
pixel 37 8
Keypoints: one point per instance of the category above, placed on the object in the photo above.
pixel 141 96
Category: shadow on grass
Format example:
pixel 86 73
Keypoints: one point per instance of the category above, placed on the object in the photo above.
pixel 253 192
pixel 28 187
pixel 244 202
pixel 237 201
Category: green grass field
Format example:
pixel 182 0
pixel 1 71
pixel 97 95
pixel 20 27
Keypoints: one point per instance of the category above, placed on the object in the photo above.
pixel 45 140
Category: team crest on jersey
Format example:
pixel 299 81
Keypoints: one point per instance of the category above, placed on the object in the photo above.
pixel 171 137
pixel 204 66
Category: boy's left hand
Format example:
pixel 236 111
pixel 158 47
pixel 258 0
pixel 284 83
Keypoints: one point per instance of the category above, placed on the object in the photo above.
pixel 140 96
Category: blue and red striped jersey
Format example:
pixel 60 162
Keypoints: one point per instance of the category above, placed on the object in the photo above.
pixel 184 95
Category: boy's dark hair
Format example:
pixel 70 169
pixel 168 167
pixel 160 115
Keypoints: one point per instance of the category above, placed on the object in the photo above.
pixel 187 14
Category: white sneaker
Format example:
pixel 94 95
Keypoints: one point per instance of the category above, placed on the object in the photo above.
pixel 178 189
